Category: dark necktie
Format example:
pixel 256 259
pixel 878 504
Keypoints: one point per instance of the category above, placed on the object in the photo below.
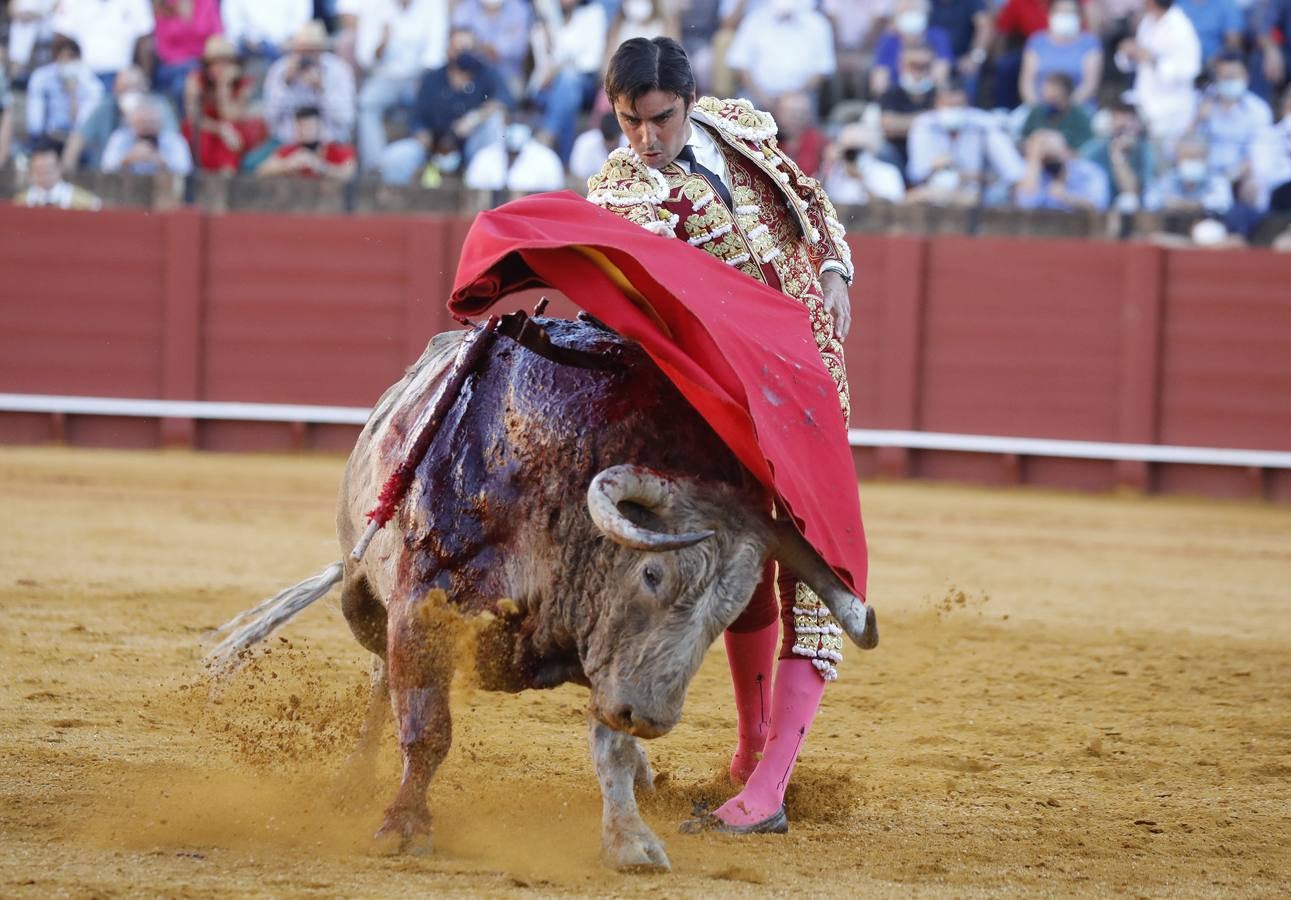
pixel 687 154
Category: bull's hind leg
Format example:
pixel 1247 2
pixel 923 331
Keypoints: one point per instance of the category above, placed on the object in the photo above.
pixel 626 841
pixel 420 669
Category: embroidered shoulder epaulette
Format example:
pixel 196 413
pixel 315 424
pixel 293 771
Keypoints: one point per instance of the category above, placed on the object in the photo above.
pixel 624 180
pixel 737 118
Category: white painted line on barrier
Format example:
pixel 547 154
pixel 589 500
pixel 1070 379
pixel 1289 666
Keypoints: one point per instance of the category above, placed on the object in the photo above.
pixel 858 437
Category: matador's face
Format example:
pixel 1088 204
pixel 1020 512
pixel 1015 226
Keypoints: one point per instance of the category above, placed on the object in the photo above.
pixel 656 127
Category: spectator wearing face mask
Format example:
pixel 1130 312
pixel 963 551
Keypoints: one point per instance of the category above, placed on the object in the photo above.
pixel 1062 47
pixel 909 29
pixel 46 186
pixel 1231 119
pixel 61 95
pixel 85 146
pixel 143 146
pixel 518 163
pixel 853 173
pixel 784 46
pixel 1125 155
pixel 594 147
pixel 911 95
pixel 1056 178
pixel 310 76
pixel 1057 112
pixel 458 111
pixel 960 155
pixel 1189 186
pixel 501 29
pixel 308 155
pixel 1165 57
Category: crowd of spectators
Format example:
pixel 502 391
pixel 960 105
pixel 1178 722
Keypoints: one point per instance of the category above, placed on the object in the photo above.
pixel 1111 106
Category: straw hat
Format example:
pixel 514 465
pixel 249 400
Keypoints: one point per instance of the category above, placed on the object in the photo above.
pixel 218 47
pixel 312 37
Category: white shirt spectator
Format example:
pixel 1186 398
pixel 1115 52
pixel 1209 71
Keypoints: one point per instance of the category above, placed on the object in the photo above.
pixel 1163 88
pixel 1271 159
pixel 536 168
pixel 972 140
pixel 855 19
pixel 268 21
pixel 417 36
pixel 30 21
pixel 578 43
pixel 107 30
pixel 589 154
pixel 875 179
pixel 1231 130
pixel 781 52
pixel 61 196
pixel 1212 192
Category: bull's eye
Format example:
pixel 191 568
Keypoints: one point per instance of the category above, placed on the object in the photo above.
pixel 652 575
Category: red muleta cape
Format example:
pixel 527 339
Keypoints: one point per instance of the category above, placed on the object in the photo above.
pixel 740 352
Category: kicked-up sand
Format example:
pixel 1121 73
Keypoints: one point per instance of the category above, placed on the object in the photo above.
pixel 1074 695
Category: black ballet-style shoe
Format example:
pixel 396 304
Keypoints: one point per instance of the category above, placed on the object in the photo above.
pixel 776 823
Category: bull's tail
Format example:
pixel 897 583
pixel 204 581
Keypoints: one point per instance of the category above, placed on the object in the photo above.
pixel 249 628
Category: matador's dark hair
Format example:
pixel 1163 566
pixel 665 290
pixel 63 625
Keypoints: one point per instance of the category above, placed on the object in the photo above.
pixel 642 65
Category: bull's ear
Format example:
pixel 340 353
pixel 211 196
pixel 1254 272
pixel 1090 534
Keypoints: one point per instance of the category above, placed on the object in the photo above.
pixel 856 618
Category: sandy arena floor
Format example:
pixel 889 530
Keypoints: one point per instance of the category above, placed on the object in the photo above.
pixel 1074 695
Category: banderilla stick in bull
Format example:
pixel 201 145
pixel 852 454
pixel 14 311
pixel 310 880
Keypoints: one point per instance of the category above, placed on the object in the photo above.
pixel 396 486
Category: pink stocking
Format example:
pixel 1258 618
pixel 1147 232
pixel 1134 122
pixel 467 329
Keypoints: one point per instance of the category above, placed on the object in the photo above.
pixel 794 701
pixel 751 656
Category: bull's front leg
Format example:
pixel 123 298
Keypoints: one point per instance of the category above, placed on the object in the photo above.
pixel 627 843
pixel 420 670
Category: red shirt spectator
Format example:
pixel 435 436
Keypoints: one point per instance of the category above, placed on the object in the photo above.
pixel 1022 18
pixel 216 123
pixel 308 155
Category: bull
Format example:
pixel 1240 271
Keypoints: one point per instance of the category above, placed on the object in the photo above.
pixel 590 517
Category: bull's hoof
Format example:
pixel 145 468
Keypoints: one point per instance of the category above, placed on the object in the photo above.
pixel 403 833
pixel 635 850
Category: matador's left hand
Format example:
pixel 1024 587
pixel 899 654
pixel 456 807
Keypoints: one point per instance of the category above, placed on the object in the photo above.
pixel 837 302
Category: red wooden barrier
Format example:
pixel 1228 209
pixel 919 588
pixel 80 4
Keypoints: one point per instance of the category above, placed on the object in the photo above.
pixel 1052 339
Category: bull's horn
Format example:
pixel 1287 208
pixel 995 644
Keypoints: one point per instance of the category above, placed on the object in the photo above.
pixel 857 618
pixel 619 484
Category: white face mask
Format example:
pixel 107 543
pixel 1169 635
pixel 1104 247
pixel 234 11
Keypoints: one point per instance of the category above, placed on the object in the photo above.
pixel 1193 171
pixel 912 22
pixel 1231 88
pixel 129 102
pixel 1064 24
pixel 638 10
pixel 67 69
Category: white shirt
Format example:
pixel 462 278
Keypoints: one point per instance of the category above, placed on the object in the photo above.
pixel 418 37
pixel 107 30
pixel 1163 88
pixel 536 168
pixel 589 154
pixel 878 179
pixel 274 21
pixel 1271 158
pixel 707 154
pixel 578 44
pixel 61 195
pixel 783 55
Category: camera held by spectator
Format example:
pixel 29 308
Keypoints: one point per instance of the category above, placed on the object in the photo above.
pixel 309 155
pixel 310 76
pixel 853 172
pixel 145 146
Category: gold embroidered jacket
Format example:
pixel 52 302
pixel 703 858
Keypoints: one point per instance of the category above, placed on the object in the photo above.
pixel 781 230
